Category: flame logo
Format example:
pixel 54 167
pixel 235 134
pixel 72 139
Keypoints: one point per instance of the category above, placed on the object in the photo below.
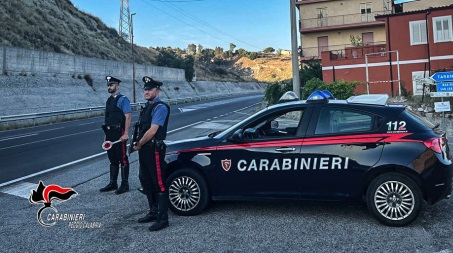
pixel 45 195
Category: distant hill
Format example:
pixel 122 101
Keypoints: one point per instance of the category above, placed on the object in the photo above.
pixel 58 26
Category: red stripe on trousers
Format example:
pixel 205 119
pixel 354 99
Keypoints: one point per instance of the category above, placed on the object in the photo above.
pixel 123 150
pixel 159 172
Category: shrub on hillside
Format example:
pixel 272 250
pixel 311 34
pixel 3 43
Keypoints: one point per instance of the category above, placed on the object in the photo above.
pixel 340 89
pixel 275 91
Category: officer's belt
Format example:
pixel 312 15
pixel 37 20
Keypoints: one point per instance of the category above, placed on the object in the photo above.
pixel 153 141
pixel 113 127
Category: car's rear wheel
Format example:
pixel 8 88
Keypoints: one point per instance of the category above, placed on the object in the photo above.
pixel 394 199
pixel 188 192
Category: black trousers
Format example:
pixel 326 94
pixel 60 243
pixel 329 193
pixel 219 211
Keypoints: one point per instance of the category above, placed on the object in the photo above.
pixel 152 171
pixel 118 153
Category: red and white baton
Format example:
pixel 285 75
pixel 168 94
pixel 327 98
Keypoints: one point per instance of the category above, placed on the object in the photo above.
pixel 108 144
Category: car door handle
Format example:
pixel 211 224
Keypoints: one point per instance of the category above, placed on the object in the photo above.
pixel 285 149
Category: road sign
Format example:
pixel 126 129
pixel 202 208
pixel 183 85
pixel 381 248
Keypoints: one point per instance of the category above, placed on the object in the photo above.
pixel 442 106
pixel 444 86
pixel 442 76
pixel 402 1
pixel 441 94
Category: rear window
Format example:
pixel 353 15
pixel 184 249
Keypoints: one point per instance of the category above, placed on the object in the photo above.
pixel 412 114
pixel 339 120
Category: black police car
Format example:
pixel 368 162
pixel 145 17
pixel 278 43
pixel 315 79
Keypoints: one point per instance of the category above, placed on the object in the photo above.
pixel 359 149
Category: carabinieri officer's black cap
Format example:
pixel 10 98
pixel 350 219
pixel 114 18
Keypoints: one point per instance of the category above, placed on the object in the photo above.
pixel 150 83
pixel 111 79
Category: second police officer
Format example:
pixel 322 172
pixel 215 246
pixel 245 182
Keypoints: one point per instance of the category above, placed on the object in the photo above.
pixel 151 148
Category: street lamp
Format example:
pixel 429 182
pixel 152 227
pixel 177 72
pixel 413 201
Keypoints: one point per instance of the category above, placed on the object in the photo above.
pixel 133 57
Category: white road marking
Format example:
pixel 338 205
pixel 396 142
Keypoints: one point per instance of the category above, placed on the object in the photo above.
pixel 22 189
pixel 177 129
pixel 27 135
pixel 212 125
pixel 47 130
pixel 186 109
pixel 51 169
pixel 17 137
pixel 33 142
pixel 89 123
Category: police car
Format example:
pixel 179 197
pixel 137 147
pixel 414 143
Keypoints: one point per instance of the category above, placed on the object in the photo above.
pixel 359 149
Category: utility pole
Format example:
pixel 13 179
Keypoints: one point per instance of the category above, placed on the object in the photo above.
pixel 294 52
pixel 133 57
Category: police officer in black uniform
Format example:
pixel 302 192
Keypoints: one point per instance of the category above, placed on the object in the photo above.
pixel 151 148
pixel 116 126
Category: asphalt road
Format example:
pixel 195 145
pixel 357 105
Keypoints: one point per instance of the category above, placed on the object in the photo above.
pixel 32 150
pixel 224 227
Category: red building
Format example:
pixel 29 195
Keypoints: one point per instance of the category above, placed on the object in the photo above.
pixel 418 44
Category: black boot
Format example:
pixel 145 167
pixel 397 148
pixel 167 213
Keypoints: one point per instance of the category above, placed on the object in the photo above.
pixel 124 187
pixel 114 169
pixel 162 216
pixel 152 215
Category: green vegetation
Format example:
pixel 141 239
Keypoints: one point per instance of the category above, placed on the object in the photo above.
pixel 169 58
pixel 356 41
pixel 58 26
pixel 311 80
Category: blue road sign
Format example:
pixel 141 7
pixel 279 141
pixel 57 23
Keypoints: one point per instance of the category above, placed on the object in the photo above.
pixel 402 1
pixel 444 86
pixel 442 76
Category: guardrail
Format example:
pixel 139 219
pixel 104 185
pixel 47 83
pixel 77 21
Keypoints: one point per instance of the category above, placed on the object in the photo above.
pixel 87 110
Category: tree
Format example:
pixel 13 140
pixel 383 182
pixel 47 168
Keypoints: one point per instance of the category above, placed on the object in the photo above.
pixel 241 52
pixel 269 50
pixel 191 49
pixel 172 58
pixel 252 55
pixel 218 52
pixel 232 47
pixel 200 49
pixel 188 64
pixel 311 69
pixel 356 41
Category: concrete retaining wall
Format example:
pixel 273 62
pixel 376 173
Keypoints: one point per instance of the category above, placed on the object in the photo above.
pixel 35 81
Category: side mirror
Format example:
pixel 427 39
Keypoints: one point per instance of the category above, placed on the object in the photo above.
pixel 237 135
pixel 250 133
pixel 274 124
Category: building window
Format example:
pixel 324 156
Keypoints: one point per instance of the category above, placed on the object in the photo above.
pixel 365 11
pixel 322 16
pixel 417 32
pixel 442 29
pixel 323 45
pixel 368 38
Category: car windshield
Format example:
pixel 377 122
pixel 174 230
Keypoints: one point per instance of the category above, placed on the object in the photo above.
pixel 228 130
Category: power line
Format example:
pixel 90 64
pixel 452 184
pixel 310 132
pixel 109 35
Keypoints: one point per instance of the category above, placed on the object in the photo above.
pixel 195 19
pixel 206 24
pixel 184 21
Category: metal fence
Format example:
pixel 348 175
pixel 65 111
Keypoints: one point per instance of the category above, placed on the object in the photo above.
pixel 31 118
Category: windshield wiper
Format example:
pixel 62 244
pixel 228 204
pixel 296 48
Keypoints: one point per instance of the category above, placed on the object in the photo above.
pixel 436 126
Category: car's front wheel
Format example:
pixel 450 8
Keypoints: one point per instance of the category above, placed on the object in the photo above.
pixel 394 199
pixel 188 192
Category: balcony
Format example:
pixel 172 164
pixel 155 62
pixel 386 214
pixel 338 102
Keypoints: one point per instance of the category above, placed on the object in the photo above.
pixel 344 51
pixel 358 52
pixel 343 21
